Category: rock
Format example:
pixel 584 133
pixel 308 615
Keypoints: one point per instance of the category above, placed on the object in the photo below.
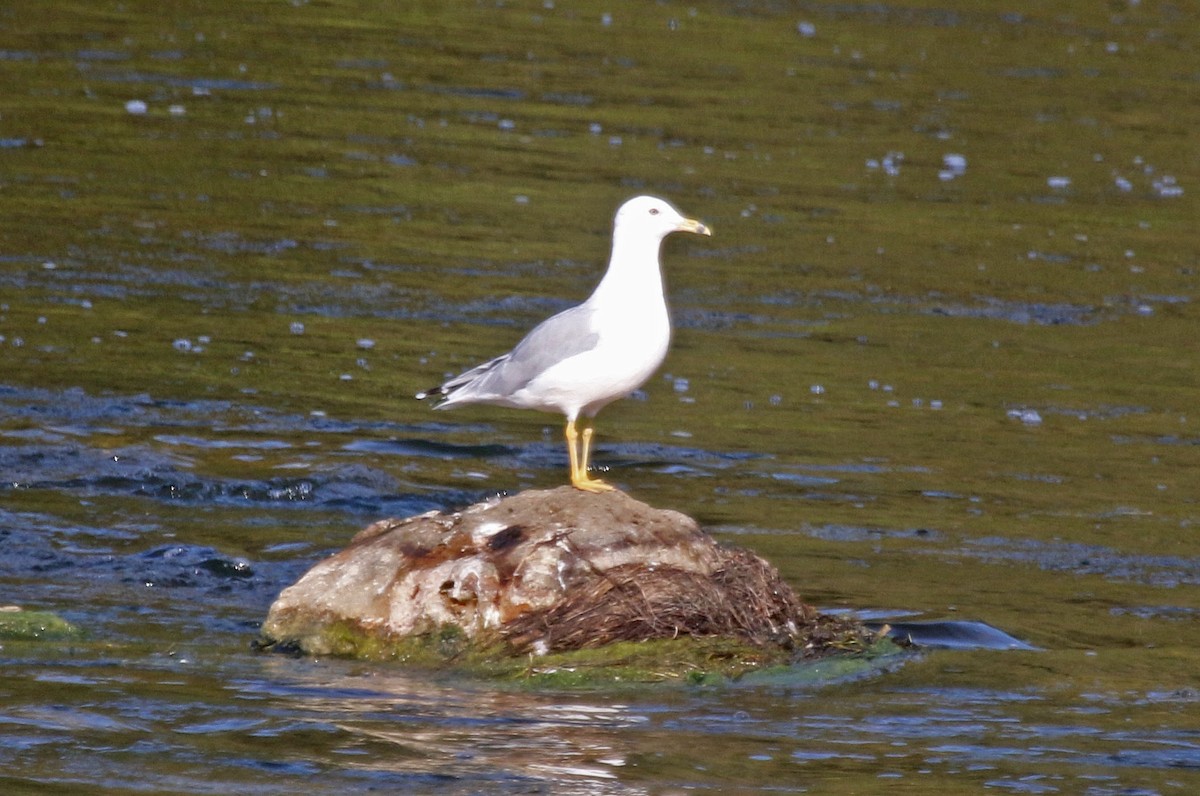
pixel 543 572
pixel 18 624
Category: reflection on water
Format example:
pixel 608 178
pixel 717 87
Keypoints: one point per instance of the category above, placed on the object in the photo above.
pixel 938 366
pixel 355 727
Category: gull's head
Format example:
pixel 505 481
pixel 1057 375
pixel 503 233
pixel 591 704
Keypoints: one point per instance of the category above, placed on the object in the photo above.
pixel 654 217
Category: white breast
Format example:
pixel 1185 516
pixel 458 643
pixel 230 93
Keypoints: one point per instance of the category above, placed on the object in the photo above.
pixel 632 344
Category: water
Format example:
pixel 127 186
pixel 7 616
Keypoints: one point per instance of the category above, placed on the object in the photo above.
pixel 937 364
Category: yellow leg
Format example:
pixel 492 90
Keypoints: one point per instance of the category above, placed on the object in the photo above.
pixel 585 460
pixel 579 461
pixel 573 449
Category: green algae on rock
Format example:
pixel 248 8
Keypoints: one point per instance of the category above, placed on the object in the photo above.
pixel 559 582
pixel 18 624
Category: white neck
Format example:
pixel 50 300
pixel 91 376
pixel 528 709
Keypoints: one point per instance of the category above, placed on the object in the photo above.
pixel 634 273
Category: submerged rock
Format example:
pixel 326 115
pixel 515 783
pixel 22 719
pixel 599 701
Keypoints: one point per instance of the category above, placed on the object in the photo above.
pixel 19 624
pixel 543 573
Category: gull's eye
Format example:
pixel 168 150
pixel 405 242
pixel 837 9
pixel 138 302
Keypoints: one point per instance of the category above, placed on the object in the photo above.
pixel 654 211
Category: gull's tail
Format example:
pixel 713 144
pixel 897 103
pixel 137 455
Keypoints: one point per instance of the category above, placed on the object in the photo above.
pixel 459 388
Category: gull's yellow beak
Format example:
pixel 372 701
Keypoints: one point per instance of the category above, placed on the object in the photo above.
pixel 692 225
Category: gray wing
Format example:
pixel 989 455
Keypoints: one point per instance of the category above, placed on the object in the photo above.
pixel 554 340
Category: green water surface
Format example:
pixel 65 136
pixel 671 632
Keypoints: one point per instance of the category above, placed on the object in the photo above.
pixel 939 357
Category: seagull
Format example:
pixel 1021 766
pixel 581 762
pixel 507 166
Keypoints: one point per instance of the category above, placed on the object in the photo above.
pixel 584 358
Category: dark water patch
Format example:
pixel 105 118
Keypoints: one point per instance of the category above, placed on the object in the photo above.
pixel 511 311
pixel 868 468
pixel 69 449
pixel 361 62
pixel 234 243
pixel 1038 478
pixel 800 480
pixel 1033 72
pixel 1033 416
pixel 945 494
pixel 841 498
pixel 120 281
pixel 37 536
pixel 1057 753
pixel 102 55
pixel 952 634
pixel 717 320
pixel 858 533
pixel 1174 613
pixel 649 455
pixel 476 92
pixel 187 566
pixel 1100 412
pixel 395 211
pixel 108 584
pixel 198 85
pixel 1158 299
pixel 984 308
pixel 140 472
pixel 88 413
pixel 1185 695
pixel 1021 312
pixel 1161 439
pixel 1085 559
pixel 888 15
pixel 209 285
pixel 569 99
pixel 719 252
pixel 180 440
pixel 1049 257
pixel 76 466
pixel 429 448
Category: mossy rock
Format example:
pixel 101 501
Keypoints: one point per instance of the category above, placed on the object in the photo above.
pixel 17 624
pixel 558 587
pixel 847 651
